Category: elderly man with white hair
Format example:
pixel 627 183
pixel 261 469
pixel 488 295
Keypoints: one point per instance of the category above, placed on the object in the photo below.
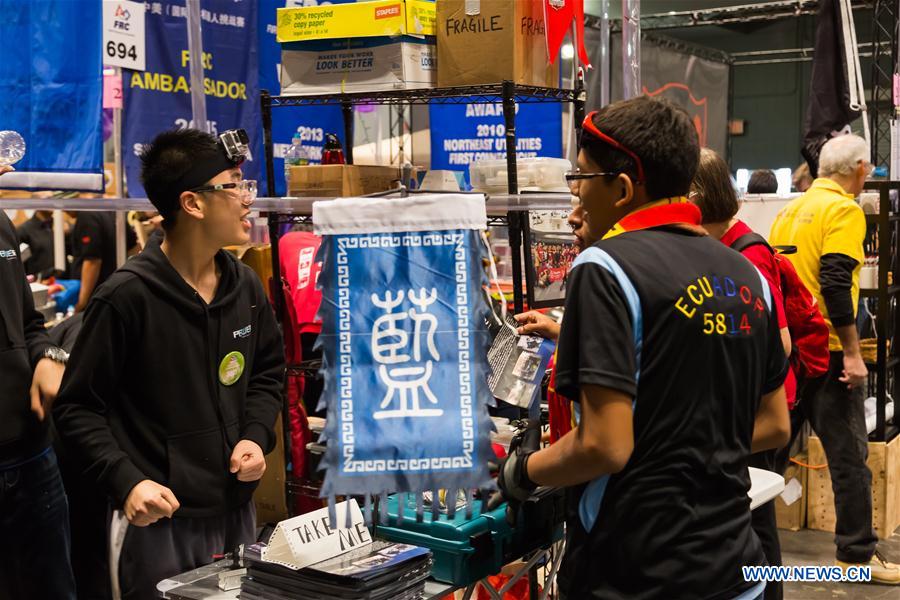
pixel 827 226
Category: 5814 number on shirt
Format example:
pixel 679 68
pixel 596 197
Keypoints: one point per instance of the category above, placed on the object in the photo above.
pixel 725 323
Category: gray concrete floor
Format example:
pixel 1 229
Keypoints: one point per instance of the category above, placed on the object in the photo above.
pixel 807 547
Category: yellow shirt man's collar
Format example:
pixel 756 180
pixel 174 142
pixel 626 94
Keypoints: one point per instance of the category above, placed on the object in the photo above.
pixel 823 183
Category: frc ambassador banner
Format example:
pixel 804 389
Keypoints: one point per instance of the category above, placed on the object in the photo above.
pixel 159 98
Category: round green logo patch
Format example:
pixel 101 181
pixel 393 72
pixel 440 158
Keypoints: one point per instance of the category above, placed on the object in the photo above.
pixel 231 368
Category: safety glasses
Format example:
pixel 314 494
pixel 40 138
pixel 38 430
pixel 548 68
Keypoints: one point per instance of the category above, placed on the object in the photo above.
pixel 589 127
pixel 246 190
pixel 573 176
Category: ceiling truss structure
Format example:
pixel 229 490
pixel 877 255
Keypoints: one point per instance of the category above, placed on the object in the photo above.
pixel 725 15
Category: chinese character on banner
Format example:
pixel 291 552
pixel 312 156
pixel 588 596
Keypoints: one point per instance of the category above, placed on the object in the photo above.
pixel 404 343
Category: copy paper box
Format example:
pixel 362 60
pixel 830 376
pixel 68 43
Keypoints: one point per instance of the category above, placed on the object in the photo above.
pixel 341 180
pixel 358 65
pixel 488 41
pixel 355 20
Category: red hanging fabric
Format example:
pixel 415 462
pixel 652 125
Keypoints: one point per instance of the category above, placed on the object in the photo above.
pixel 558 16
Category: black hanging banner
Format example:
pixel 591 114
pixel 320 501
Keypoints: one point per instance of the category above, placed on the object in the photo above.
pixel 697 80
pixel 828 112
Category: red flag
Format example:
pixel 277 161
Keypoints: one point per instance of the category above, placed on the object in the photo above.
pixel 558 16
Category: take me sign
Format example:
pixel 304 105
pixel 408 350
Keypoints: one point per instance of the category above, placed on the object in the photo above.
pixel 316 530
pixel 309 539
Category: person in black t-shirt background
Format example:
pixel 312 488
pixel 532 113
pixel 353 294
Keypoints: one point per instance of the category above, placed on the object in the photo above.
pixel 657 470
pixel 94 251
pixel 37 232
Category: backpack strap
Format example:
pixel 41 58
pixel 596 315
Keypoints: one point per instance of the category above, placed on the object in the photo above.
pixel 750 239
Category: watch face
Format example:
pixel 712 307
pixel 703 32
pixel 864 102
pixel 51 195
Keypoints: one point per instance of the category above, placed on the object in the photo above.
pixel 57 354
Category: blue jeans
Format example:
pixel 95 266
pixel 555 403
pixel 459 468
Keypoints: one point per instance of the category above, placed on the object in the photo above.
pixel 34 532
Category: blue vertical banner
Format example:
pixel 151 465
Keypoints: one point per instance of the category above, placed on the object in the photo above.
pixel 404 343
pixel 311 122
pixel 51 92
pixel 159 98
pixel 465 133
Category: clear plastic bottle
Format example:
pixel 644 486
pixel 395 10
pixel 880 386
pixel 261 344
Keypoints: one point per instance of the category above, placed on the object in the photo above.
pixel 12 147
pixel 294 156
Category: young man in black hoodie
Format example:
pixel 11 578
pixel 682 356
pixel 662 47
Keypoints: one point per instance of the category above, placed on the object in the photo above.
pixel 34 517
pixel 175 382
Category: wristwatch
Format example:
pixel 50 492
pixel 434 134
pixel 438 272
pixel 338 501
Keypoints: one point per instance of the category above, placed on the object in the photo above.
pixel 56 354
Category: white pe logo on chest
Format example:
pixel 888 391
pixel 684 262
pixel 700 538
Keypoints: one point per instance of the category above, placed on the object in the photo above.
pixel 8 254
pixel 242 333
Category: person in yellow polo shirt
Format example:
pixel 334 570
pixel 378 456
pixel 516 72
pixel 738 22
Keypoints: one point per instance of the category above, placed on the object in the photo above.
pixel 827 226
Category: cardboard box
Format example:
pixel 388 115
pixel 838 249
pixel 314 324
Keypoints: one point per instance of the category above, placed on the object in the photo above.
pixel 341 180
pixel 884 462
pixel 356 19
pixel 270 497
pixel 488 41
pixel 364 64
pixel 792 516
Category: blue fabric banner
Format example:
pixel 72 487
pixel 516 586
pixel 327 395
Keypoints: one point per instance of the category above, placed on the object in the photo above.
pixel 159 98
pixel 465 133
pixel 405 341
pixel 51 91
pixel 312 122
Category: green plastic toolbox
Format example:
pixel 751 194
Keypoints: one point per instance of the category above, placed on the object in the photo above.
pixel 467 550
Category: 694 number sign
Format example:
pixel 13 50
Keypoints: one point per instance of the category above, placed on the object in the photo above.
pixel 124 43
pixel 121 50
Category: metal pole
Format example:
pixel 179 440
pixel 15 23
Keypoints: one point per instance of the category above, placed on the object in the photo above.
pixel 884 265
pixel 512 183
pixel 195 68
pixel 121 223
pixel 604 54
pixel 631 49
pixel 347 111
pixel 265 100
pixel 59 241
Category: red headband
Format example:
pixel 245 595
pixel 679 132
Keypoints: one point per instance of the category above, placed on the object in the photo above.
pixel 589 126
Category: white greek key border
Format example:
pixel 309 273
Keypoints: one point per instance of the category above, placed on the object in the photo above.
pixel 345 370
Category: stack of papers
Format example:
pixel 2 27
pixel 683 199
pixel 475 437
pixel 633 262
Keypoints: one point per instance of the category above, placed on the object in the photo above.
pixel 379 571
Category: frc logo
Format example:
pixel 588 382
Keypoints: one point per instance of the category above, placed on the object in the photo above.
pixel 386 12
pixel 241 333
pixel 8 254
pixel 121 18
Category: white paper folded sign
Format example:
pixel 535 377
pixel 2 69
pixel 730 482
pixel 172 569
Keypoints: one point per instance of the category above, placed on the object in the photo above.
pixel 308 539
pixel 793 491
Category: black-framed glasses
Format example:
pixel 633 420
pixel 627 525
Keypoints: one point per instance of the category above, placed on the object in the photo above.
pixel 246 189
pixel 573 176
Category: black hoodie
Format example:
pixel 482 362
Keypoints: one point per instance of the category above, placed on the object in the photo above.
pixel 23 340
pixel 143 397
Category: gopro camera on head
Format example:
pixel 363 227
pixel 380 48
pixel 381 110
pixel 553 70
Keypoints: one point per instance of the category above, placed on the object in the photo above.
pixel 236 144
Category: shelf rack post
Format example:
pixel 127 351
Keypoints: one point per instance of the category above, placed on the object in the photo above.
pixel 512 181
pixel 884 308
pixel 347 112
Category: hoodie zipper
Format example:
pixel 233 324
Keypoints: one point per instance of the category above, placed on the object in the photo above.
pixel 211 375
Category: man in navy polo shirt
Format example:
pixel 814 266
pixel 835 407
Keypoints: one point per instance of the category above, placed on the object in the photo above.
pixel 671 349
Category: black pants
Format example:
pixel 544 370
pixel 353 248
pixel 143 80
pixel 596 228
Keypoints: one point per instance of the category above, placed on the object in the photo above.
pixel 34 532
pixel 141 557
pixel 837 416
pixel 765 526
